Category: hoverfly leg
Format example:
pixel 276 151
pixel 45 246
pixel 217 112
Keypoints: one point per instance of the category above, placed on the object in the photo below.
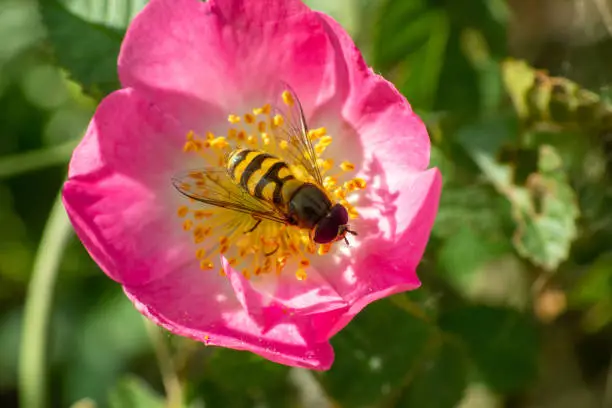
pixel 254 227
pixel 273 251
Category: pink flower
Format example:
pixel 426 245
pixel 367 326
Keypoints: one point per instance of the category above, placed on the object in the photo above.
pixel 185 65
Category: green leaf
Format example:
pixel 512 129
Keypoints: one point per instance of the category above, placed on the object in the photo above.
pixel 545 209
pixel 133 392
pixel 501 342
pixel 383 350
pixel 595 284
pixel 546 212
pixel 440 380
pixel 463 253
pixel 413 52
pixel 477 207
pixel 86 36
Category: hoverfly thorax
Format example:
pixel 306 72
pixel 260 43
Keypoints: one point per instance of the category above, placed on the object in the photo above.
pixel 266 200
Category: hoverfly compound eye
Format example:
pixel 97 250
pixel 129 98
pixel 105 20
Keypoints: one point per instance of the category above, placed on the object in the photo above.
pixel 340 213
pixel 328 229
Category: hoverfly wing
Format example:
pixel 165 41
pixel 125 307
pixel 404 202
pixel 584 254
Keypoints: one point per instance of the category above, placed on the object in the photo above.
pixel 294 131
pixel 213 186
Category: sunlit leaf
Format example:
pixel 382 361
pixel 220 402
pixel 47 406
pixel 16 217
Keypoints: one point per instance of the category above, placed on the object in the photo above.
pixel 545 209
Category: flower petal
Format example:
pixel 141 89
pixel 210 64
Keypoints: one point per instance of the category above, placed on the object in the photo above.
pixel 374 111
pixel 119 194
pixel 190 303
pixel 229 53
pixel 271 300
pixel 386 266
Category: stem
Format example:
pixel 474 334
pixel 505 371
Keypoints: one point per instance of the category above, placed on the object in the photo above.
pixel 172 384
pixel 36 159
pixel 34 336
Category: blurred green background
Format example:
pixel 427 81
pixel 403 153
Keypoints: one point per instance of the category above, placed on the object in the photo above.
pixel 516 305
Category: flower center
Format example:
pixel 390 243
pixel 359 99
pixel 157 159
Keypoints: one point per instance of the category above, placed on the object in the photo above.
pixel 251 244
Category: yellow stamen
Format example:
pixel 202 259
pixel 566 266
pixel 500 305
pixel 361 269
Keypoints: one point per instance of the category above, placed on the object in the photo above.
pixel 278 120
pixel 360 183
pixel 314 134
pixel 201 214
pixel 347 166
pixel 182 211
pixel 272 247
pixel 206 265
pixel 288 98
pixel 323 249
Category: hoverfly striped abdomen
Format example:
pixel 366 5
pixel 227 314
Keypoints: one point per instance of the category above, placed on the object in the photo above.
pixel 264 176
pixel 268 178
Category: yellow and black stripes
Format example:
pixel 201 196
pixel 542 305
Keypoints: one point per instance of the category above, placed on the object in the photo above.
pixel 263 176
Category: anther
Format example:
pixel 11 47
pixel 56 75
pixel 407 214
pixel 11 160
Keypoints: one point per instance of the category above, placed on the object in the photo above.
pixel 187 225
pixel 314 134
pixel 288 98
pixel 278 120
pixel 206 265
pixel 360 183
pixel 201 214
pixel 249 118
pixel 182 211
pixel 347 166
pixel 233 119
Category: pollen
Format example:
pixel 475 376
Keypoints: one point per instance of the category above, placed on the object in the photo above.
pixel 301 275
pixel 187 225
pixel 182 211
pixel 278 120
pixel 288 98
pixel 314 134
pixel 257 248
pixel 347 166
pixel 249 118
pixel 323 249
pixel 201 214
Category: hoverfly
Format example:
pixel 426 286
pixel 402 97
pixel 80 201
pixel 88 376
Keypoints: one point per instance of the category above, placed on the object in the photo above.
pixel 263 185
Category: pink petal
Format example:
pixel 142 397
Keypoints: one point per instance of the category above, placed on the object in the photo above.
pixel 190 303
pixel 271 300
pixel 227 53
pixel 386 266
pixel 374 111
pixel 119 195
